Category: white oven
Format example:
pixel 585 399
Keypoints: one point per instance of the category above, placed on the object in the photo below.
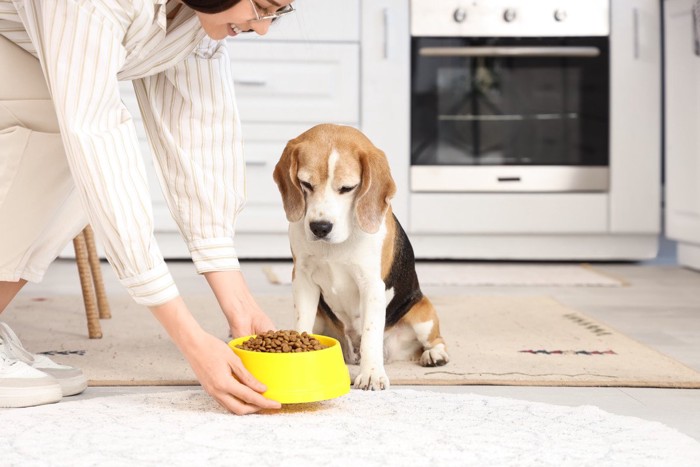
pixel 534 129
pixel 510 96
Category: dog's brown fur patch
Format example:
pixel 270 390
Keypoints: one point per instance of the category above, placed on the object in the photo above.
pixel 423 312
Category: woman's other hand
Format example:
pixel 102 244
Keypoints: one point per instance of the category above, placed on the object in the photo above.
pixel 244 315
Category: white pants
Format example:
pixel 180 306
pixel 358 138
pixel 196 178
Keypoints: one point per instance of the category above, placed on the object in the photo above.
pixel 40 212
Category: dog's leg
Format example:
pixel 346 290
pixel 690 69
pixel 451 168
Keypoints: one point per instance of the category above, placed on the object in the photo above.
pixel 306 297
pixel 326 327
pixel 424 321
pixel 373 304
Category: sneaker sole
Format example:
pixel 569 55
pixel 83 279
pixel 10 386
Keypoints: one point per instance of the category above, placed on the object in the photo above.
pixel 72 386
pixel 30 396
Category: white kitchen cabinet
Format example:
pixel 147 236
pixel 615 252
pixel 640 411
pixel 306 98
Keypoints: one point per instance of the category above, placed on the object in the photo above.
pixel 682 135
pixel 622 223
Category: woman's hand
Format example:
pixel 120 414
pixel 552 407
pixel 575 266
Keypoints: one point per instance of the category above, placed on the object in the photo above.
pixel 214 364
pixel 244 315
pixel 250 320
pixel 218 369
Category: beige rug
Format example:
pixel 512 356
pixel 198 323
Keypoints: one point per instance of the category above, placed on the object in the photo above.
pixel 573 275
pixel 491 339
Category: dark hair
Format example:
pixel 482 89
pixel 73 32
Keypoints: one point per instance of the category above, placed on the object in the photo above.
pixel 210 6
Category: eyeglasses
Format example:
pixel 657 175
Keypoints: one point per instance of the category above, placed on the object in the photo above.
pixel 270 16
pixel 263 17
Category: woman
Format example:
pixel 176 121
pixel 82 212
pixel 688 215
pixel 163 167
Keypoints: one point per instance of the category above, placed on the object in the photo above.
pixel 173 53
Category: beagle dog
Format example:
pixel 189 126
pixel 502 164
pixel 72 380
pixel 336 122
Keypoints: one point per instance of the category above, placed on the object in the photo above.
pixel 354 274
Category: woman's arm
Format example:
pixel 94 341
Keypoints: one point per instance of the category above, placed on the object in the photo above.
pixel 243 314
pixel 193 125
pixel 81 52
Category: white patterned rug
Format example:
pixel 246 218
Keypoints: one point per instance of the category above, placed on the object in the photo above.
pixel 396 427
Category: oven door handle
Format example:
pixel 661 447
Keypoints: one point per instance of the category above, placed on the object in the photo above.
pixel 500 51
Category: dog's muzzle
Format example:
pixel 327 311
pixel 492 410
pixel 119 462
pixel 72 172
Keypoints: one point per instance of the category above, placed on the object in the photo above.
pixel 321 228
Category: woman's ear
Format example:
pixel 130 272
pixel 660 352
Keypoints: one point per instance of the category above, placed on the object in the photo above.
pixel 377 187
pixel 285 175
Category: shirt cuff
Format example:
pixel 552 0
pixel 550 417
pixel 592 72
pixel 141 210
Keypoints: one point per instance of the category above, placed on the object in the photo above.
pixel 214 254
pixel 153 287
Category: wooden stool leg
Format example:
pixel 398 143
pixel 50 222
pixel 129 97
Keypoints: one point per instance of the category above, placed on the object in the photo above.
pixel 81 258
pixel 102 303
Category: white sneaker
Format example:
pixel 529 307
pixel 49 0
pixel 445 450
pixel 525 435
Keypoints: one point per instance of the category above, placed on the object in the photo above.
pixel 24 386
pixel 72 380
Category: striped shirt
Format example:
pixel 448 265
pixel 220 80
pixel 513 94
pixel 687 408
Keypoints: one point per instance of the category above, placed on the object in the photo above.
pixel 184 87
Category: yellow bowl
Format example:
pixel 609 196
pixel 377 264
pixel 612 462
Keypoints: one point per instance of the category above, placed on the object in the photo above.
pixel 298 377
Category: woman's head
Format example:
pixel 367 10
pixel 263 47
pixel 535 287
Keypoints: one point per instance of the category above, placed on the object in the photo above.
pixel 221 18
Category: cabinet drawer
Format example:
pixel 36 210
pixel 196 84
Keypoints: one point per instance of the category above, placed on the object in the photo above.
pixel 305 82
pixel 509 213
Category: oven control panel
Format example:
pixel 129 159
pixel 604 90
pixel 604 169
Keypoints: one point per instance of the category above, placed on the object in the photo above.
pixel 510 18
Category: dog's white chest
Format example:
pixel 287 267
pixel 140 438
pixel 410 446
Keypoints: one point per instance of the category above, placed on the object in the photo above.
pixel 348 274
pixel 339 290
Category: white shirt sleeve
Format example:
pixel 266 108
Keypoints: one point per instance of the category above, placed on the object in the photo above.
pixel 193 126
pixel 81 52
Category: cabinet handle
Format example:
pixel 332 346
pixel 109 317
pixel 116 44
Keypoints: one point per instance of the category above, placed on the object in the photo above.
pixel 250 82
pixel 695 13
pixel 635 28
pixel 386 14
pixel 256 163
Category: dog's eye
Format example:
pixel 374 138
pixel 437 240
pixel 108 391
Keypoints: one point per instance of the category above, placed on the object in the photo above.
pixel 307 185
pixel 346 189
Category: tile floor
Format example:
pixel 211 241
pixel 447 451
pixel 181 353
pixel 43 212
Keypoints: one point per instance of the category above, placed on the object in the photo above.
pixel 660 307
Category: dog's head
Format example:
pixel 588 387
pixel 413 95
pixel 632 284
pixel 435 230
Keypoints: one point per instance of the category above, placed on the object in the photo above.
pixel 333 178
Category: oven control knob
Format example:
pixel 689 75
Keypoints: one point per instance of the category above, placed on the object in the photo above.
pixel 460 15
pixel 509 15
pixel 560 15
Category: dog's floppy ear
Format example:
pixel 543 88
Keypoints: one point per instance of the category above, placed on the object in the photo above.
pixel 376 190
pixel 285 176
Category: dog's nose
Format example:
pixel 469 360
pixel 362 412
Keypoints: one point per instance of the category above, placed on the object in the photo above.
pixel 321 228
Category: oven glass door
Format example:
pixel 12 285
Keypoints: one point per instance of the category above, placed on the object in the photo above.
pixel 510 102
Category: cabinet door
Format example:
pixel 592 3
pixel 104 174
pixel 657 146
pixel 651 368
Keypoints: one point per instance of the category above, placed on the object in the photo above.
pixel 682 124
pixel 635 117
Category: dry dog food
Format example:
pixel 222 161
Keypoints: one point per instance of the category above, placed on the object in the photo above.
pixel 281 342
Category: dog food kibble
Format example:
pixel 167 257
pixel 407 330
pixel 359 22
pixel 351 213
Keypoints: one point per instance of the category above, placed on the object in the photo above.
pixel 281 342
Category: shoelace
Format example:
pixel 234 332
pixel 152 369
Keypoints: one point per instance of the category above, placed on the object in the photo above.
pixel 13 346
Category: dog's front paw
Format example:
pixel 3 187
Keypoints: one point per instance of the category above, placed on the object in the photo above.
pixel 437 356
pixel 374 379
